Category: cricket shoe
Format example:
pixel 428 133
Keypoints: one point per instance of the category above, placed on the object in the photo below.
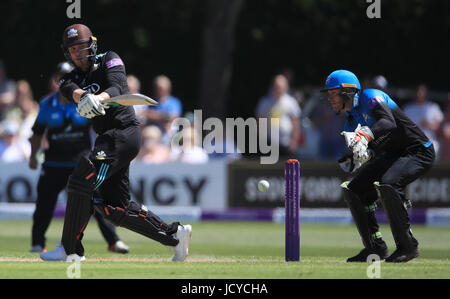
pixel 183 235
pixel 59 254
pixel 403 256
pixel 38 248
pixel 381 250
pixel 119 247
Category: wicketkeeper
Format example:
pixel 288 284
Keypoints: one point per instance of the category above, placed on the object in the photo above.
pixel 106 167
pixel 389 152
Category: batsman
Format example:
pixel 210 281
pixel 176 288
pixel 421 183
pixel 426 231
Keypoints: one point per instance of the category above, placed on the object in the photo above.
pixel 388 152
pixel 106 167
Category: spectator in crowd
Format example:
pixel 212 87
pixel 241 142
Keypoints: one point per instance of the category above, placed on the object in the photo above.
pixel 152 151
pixel 229 148
pixel 377 82
pixel 7 91
pixel 23 110
pixel 15 148
pixel 134 86
pixel 444 134
pixel 168 109
pixel 27 110
pixel 189 152
pixel 279 104
pixel 426 114
pixel 380 82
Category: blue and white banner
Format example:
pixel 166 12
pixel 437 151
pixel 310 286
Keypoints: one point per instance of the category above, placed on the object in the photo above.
pixel 169 184
pixel 179 184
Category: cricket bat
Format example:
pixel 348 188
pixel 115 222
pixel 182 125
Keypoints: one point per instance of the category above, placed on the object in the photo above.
pixel 129 100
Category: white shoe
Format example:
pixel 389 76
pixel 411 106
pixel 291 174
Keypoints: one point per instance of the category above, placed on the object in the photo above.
pixel 119 247
pixel 59 254
pixel 183 235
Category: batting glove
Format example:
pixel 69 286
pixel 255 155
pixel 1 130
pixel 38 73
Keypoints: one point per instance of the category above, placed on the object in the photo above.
pixel 90 106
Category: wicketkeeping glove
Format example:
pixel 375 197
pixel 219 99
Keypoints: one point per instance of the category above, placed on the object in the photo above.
pixel 90 106
pixel 358 142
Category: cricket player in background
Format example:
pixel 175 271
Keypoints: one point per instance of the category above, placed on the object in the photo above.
pixel 389 152
pixel 105 168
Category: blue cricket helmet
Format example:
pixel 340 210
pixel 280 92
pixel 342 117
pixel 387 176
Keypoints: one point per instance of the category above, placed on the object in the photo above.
pixel 342 79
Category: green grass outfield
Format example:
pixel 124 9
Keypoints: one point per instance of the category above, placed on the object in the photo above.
pixel 230 250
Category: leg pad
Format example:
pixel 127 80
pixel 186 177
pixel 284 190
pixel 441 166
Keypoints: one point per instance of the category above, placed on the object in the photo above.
pixel 397 215
pixel 136 217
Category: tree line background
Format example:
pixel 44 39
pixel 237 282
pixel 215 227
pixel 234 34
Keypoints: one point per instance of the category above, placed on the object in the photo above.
pixel 222 54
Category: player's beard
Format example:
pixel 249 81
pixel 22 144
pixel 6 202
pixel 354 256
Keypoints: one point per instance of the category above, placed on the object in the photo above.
pixel 82 60
pixel 83 63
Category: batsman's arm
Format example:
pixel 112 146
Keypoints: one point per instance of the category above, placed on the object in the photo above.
pixel 70 90
pixel 115 75
pixel 78 94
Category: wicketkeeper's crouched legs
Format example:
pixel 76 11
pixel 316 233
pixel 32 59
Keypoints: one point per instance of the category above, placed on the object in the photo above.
pixel 79 206
pixel 136 217
pixel 363 214
pixel 407 245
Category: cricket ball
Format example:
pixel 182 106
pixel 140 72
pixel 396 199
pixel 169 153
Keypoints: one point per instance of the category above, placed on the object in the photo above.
pixel 263 185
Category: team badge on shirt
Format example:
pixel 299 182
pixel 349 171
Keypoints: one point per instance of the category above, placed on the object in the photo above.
pixel 101 155
pixel 375 100
pixel 114 62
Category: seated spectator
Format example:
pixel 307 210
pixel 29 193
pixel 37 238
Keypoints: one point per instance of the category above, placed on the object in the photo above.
pixel 28 108
pixel 168 109
pixel 15 148
pixel 152 151
pixel 426 114
pixel 134 86
pixel 189 152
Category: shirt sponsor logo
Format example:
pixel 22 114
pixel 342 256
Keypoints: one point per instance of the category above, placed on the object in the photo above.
pixel 375 100
pixel 101 155
pixel 93 88
pixel 114 62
